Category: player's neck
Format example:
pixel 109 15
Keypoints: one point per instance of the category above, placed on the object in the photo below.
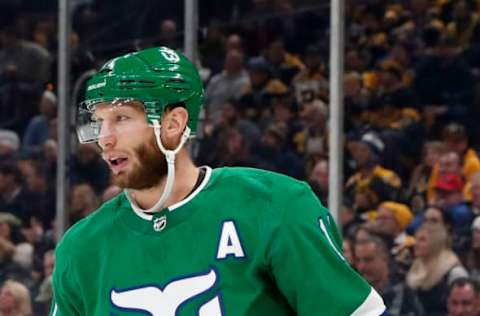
pixel 186 175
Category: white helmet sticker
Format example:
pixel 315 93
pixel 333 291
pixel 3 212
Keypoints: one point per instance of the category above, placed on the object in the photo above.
pixel 97 85
pixel 169 54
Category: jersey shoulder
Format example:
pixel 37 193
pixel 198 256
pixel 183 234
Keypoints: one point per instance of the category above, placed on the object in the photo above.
pixel 82 235
pixel 254 178
pixel 260 184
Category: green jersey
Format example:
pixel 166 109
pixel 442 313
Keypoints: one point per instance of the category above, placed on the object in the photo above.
pixel 245 242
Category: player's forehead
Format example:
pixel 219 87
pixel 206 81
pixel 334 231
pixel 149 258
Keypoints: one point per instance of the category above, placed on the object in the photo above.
pixel 104 109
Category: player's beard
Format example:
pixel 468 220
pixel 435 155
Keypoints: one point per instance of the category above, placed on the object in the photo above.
pixel 151 168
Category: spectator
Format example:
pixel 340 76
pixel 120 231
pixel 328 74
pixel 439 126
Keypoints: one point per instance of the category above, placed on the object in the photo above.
pixel 355 100
pixel 83 202
pixel 14 196
pixel 44 297
pixel 231 117
pixel 231 83
pixel 169 35
pixel 49 156
pixel 450 199
pixel 311 83
pixel 318 180
pixel 347 220
pixel 463 298
pixel 41 188
pixel 9 144
pixel 284 65
pixel 15 299
pixel 456 139
pixel 473 257
pixel 284 112
pixel 26 60
pixel 371 183
pixel 311 141
pixel 44 33
pixel 436 216
pixel 110 192
pixel 256 100
pixel 233 150
pixel 475 188
pixel 43 241
pixel 15 255
pixel 465 26
pixel 447 100
pixel 434 268
pixel 401 56
pixel 348 250
pixel 272 154
pixel 449 162
pixel 234 42
pixel 363 233
pixel 37 132
pixel 418 187
pixel 53 129
pixel 212 48
pixel 390 222
pixel 88 167
pixel 372 260
pixel 356 61
pixel 390 102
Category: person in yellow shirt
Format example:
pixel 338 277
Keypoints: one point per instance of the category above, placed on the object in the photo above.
pixel 371 183
pixel 284 64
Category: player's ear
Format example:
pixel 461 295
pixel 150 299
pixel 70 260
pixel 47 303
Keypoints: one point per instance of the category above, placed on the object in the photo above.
pixel 174 122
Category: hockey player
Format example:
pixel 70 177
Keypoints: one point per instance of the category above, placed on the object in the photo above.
pixel 187 240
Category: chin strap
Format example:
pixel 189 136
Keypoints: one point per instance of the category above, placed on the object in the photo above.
pixel 170 157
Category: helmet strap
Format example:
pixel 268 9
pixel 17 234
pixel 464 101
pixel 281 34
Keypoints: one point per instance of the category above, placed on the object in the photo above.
pixel 170 157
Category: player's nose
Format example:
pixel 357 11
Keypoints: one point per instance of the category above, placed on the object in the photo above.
pixel 107 137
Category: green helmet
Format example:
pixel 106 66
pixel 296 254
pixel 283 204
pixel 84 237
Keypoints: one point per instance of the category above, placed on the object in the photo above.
pixel 157 77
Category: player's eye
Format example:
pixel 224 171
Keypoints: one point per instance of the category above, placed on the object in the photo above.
pixel 121 118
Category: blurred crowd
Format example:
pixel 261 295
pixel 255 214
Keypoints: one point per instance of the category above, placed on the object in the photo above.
pixel 412 93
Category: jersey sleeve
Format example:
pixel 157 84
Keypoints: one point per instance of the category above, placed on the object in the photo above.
pixel 66 298
pixel 303 253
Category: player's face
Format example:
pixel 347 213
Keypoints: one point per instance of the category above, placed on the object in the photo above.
pixel 129 147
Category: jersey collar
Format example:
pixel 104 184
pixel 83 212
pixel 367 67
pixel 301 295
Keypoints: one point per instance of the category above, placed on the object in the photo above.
pixel 142 222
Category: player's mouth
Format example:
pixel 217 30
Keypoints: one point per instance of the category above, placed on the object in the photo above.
pixel 117 163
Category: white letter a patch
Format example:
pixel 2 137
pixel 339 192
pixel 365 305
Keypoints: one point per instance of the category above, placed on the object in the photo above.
pixel 229 244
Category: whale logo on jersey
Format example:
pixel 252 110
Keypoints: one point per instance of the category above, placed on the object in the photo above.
pixel 166 302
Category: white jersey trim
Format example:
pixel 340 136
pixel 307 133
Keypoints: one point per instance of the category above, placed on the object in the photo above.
pixel 205 180
pixel 372 306
pixel 208 173
pixel 55 309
